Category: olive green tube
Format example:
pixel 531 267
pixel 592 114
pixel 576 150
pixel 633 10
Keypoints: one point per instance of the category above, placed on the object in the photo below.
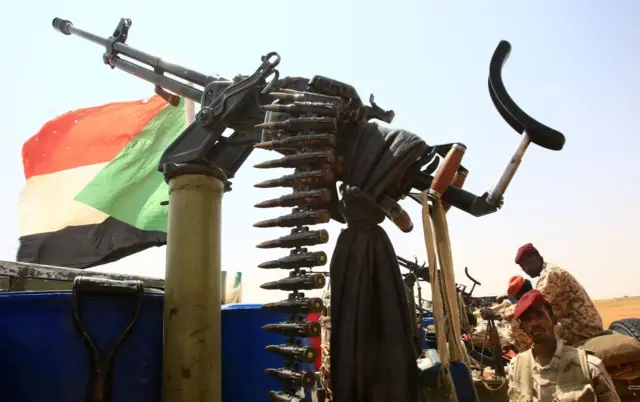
pixel 191 366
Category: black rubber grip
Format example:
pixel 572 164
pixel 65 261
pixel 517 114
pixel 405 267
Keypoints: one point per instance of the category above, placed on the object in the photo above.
pixel 540 134
pixel 90 286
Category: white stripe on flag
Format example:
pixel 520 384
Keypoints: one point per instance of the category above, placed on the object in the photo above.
pixel 47 204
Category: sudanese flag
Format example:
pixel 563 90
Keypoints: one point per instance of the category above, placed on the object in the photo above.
pixel 93 193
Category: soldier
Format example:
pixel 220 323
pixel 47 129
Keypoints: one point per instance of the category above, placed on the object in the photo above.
pixel 551 370
pixel 518 286
pixel 578 318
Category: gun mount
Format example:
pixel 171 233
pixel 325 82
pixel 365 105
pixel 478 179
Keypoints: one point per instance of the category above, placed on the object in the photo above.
pixel 421 272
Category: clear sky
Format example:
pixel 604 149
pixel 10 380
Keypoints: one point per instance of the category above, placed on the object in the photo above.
pixel 574 66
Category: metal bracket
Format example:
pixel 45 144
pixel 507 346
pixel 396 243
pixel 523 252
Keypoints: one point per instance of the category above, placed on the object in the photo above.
pixel 222 107
pixel 120 35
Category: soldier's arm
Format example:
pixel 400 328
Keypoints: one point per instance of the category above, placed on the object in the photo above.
pixel 520 340
pixel 552 285
pixel 503 305
pixel 564 332
pixel 507 313
pixel 601 381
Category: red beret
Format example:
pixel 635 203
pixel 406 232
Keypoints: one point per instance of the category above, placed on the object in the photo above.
pixel 515 284
pixel 531 299
pixel 525 251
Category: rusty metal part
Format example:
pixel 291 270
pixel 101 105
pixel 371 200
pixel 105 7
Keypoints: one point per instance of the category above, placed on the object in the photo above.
pixel 102 364
pixel 310 141
pixel 396 213
pixel 296 219
pixel 23 276
pixel 294 305
pixel 298 198
pixel 494 341
pixel 300 160
pixel 297 239
pixel 309 178
pixel 403 221
pixel 299 329
pixel 306 282
pixel 297 260
pixel 298 378
pixel 302 124
pixel 304 354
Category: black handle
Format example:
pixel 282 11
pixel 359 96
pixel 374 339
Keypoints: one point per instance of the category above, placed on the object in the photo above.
pixel 89 286
pixel 102 364
pixel 539 134
pixel 466 272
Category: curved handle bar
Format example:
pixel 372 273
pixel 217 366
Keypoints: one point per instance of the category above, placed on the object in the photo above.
pixel 509 110
pixel 466 272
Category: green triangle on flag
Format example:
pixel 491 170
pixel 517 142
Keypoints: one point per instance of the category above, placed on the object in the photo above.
pixel 130 188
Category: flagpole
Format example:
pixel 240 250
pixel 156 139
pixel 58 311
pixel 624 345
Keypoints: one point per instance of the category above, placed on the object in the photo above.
pixel 192 369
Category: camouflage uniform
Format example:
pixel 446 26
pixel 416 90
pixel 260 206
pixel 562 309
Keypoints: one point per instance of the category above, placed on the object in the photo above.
pixel 521 341
pixel 578 318
pixel 572 372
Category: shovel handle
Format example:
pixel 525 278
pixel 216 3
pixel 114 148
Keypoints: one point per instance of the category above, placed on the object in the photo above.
pixel 447 170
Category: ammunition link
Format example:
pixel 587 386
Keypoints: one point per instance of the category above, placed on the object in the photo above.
pixel 305 133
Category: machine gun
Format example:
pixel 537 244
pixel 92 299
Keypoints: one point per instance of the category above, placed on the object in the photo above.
pixel 236 104
pixel 421 272
pixel 312 122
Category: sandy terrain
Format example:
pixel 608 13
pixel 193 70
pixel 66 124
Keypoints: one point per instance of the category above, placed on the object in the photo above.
pixel 615 309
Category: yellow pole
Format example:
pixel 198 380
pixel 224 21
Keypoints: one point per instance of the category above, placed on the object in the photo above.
pixel 189 108
pixel 191 356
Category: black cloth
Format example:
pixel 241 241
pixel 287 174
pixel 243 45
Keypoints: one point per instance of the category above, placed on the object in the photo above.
pixel 87 246
pixel 372 354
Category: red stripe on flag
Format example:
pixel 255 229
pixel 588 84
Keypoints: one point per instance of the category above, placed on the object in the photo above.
pixel 87 136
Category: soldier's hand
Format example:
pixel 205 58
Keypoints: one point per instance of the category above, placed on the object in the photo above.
pixel 488 314
pixel 586 395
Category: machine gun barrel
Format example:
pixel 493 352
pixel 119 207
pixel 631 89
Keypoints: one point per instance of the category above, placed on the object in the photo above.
pixel 115 47
pixel 422 272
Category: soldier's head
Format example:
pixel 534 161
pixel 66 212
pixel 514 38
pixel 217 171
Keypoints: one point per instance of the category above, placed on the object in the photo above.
pixel 518 286
pixel 529 260
pixel 536 317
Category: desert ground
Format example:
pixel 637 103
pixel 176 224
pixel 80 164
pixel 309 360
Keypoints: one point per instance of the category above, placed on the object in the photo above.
pixel 615 309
